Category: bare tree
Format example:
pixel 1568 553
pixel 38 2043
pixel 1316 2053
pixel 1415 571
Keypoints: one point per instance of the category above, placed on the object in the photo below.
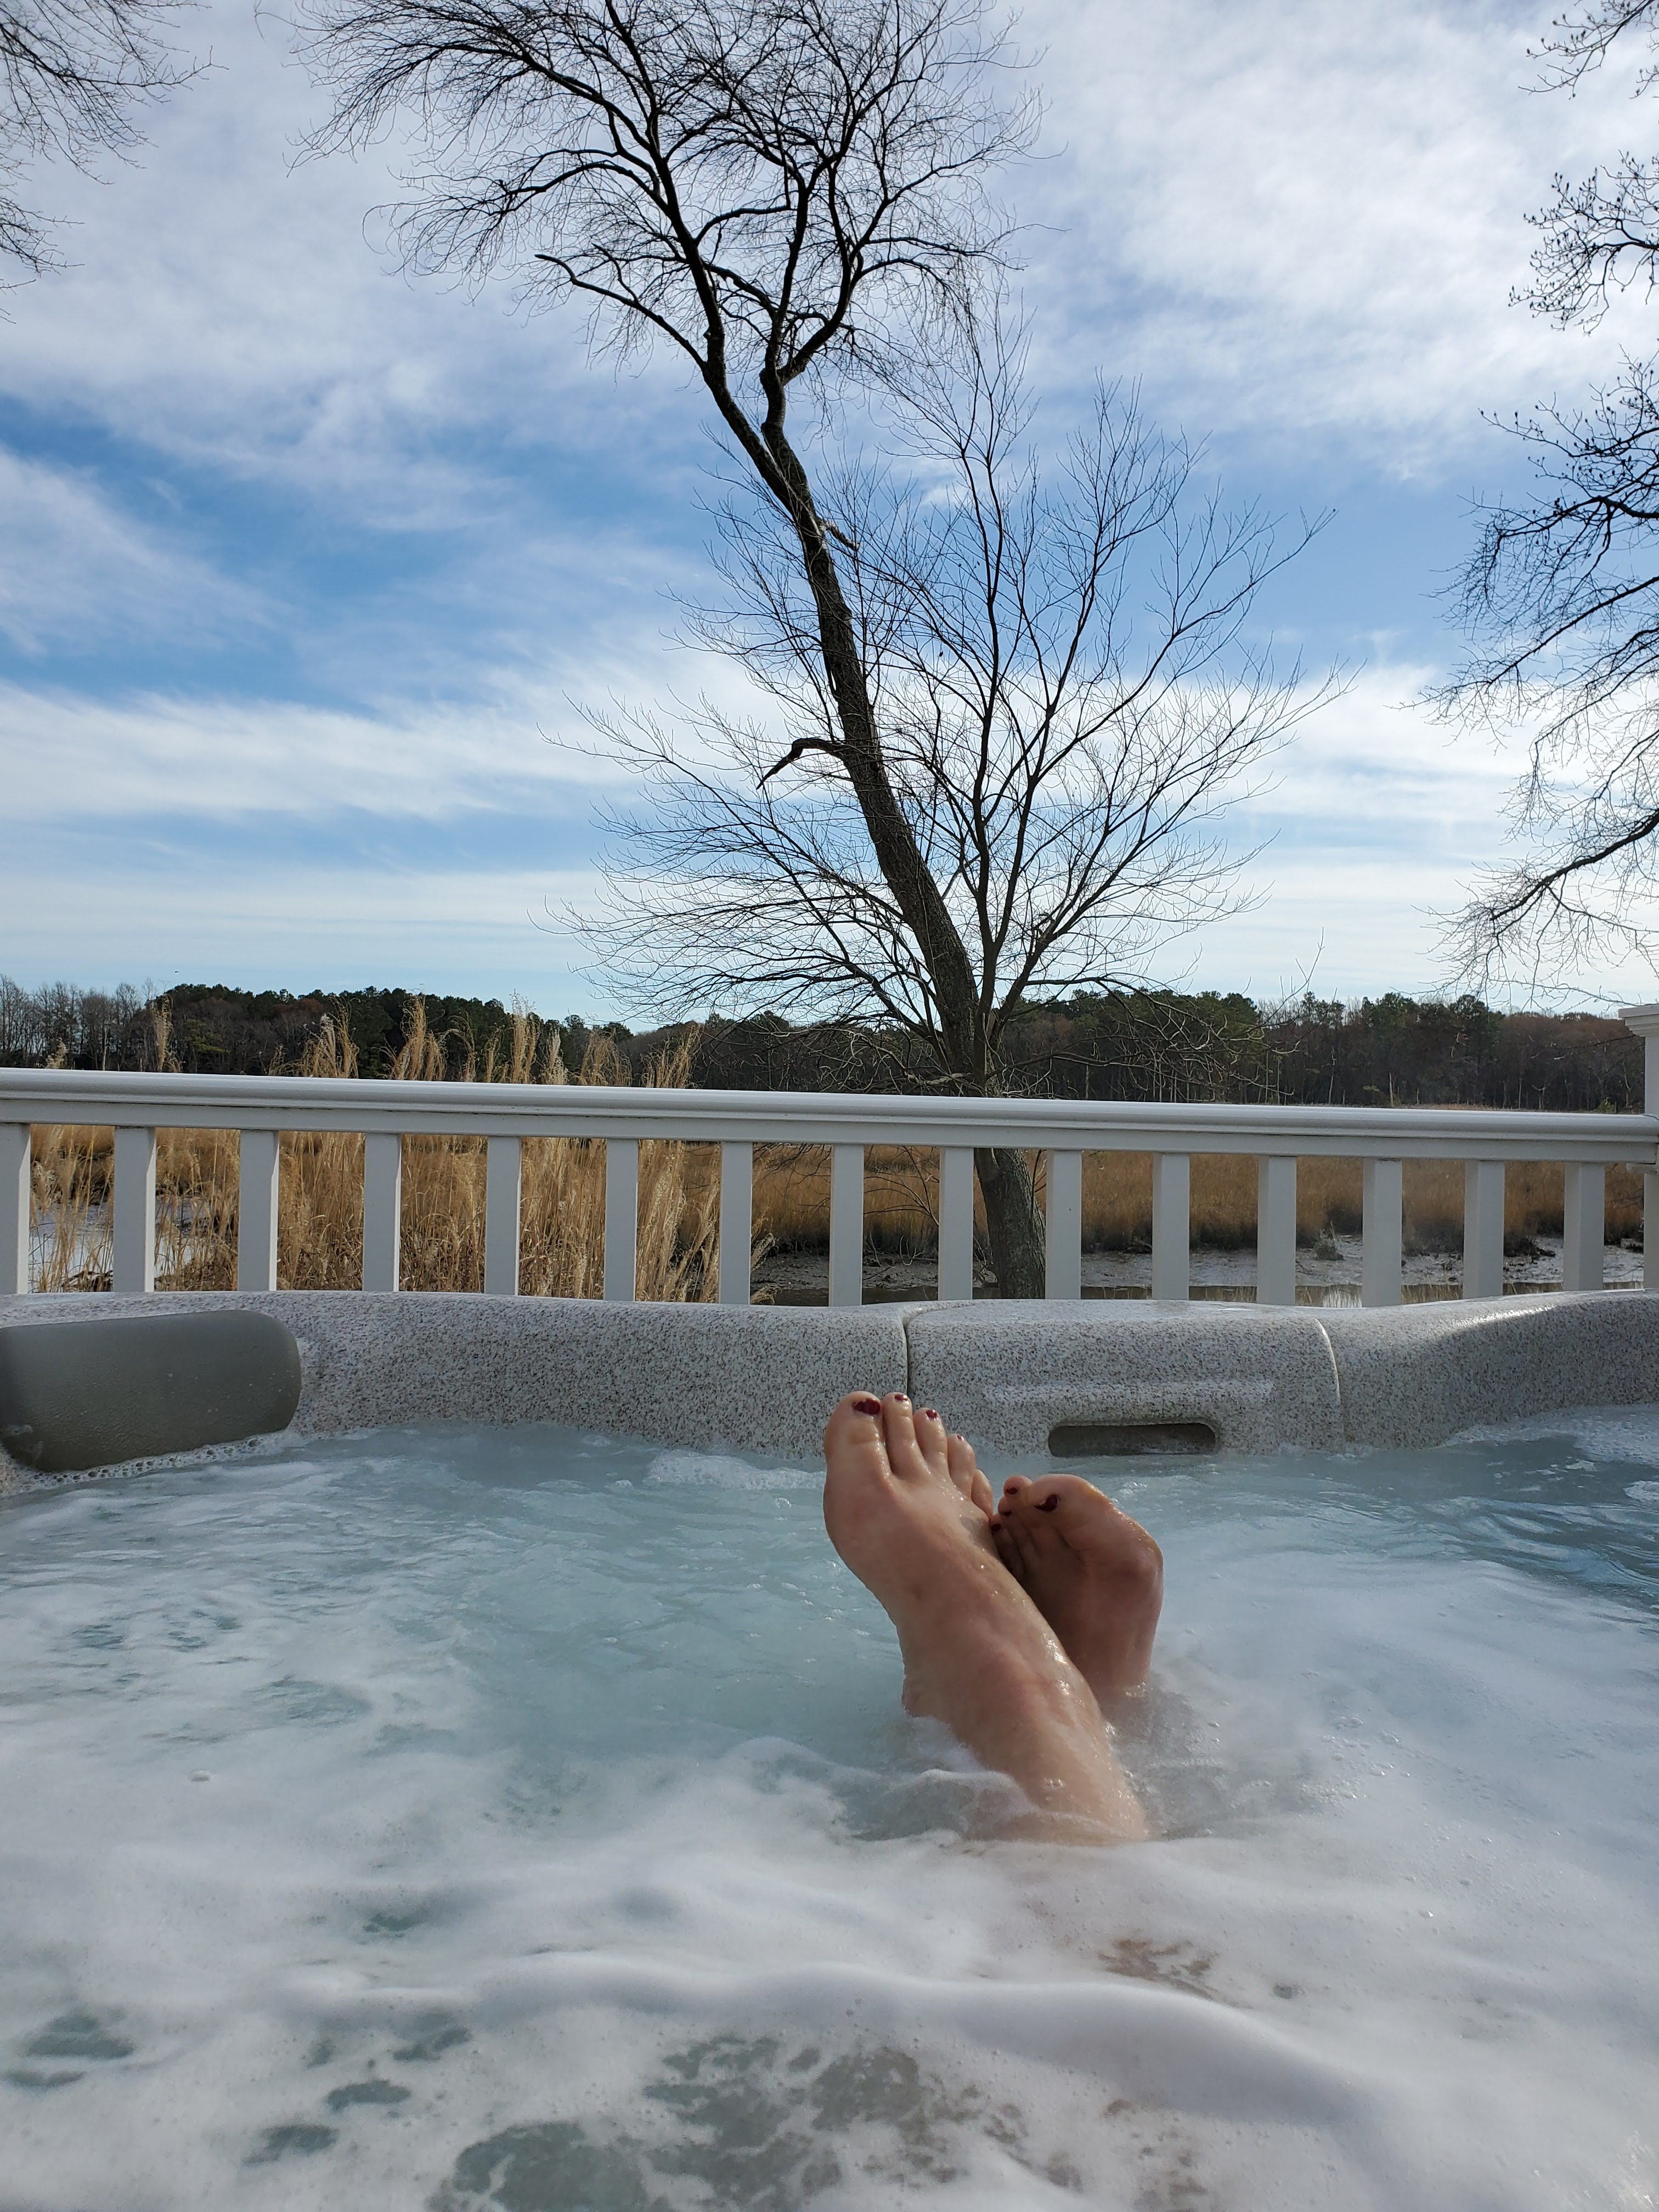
pixel 784 196
pixel 71 72
pixel 1058 663
pixel 1561 598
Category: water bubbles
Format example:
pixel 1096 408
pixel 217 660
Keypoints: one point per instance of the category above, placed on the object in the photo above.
pixel 567 1848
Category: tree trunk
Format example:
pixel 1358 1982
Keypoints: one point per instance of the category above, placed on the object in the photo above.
pixel 1012 1222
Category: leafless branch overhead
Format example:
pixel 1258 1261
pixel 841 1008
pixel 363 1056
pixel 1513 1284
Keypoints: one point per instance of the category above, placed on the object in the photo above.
pixel 71 74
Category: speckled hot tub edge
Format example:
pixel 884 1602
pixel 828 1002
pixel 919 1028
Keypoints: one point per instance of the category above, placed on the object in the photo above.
pixel 762 1378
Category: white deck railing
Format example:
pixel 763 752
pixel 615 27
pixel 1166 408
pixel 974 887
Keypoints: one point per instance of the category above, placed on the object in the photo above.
pixel 259 1107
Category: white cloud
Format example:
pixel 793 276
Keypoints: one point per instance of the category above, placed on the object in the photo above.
pixel 1378 738
pixel 1380 817
pixel 73 759
pixel 1299 222
pixel 517 745
pixel 226 308
pixel 1381 820
pixel 77 571
pixel 1376 819
pixel 1292 218
pixel 1307 220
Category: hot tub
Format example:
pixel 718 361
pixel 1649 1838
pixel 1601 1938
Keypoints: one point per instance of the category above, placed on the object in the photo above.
pixel 468 1817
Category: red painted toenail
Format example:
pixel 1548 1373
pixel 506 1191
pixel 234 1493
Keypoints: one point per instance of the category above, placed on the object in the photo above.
pixel 928 1413
pixel 866 1405
pixel 1046 1505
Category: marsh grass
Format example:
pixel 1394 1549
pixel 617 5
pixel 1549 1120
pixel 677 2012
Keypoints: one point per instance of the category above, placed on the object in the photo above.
pixel 320 1224
pixel 69 1220
pixel 791 1197
pixel 320 1240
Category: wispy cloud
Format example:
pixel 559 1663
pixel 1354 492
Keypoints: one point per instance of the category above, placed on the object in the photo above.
pixel 1306 221
pixel 227 760
pixel 344 548
pixel 227 306
pixel 78 571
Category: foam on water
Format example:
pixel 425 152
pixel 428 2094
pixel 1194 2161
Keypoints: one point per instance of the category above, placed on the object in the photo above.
pixel 523 1821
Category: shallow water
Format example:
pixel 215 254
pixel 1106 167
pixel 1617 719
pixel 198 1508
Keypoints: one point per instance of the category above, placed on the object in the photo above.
pixel 518 1820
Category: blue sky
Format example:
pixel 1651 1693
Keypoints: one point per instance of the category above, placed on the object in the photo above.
pixel 302 564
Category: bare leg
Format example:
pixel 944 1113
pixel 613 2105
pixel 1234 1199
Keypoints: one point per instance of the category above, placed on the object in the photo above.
pixel 901 1505
pixel 1095 1574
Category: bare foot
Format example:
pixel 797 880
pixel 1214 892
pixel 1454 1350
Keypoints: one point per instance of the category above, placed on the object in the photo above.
pixel 1095 1575
pixel 908 1512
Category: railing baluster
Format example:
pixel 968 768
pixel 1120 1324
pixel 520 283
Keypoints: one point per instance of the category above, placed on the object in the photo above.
pixel 1062 1131
pixel 1647 1031
pixel 132 1212
pixel 258 1167
pixel 1583 1226
pixel 1063 1228
pixel 956 1221
pixel 14 1207
pixel 1275 1231
pixel 1172 1227
pixel 1483 1229
pixel 503 1176
pixel 1381 1233
pixel 737 1224
pixel 622 1220
pixel 847 1225
pixel 383 1207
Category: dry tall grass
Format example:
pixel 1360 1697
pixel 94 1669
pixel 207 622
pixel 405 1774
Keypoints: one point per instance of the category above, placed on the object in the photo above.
pixel 320 1228
pixel 792 1199
pixel 69 1226
pixel 320 1240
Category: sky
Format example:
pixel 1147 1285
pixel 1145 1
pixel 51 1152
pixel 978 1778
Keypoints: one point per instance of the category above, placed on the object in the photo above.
pixel 307 567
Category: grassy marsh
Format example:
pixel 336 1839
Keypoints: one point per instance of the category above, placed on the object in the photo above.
pixel 320 1233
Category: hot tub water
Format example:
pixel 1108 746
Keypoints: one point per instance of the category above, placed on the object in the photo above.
pixel 522 1820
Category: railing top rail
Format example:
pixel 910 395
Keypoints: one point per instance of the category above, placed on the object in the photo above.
pixel 83 1098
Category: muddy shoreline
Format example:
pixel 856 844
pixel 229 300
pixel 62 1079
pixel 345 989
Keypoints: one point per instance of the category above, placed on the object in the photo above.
pixel 1326 1275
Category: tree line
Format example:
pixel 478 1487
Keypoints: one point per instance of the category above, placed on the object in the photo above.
pixel 1169 1046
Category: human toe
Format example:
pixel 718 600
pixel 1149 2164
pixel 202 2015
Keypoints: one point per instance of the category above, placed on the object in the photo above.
pixel 934 1444
pixel 964 1471
pixel 898 1426
pixel 855 1425
pixel 1049 1492
pixel 1032 1513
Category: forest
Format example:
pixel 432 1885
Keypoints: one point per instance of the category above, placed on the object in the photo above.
pixel 1393 1050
